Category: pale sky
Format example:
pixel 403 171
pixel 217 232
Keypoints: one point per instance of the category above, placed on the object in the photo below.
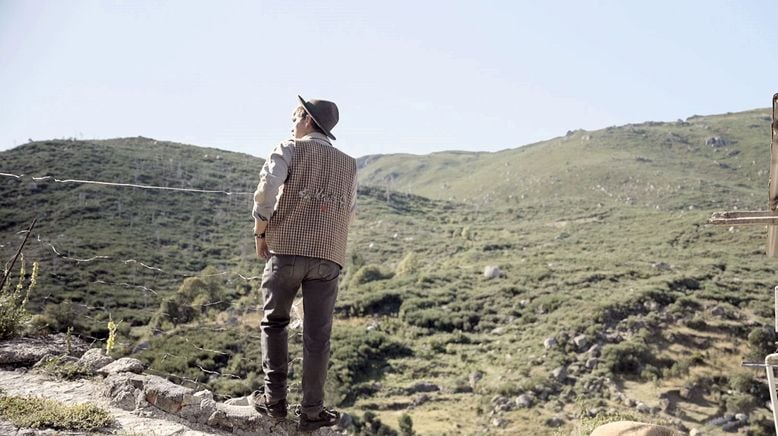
pixel 409 76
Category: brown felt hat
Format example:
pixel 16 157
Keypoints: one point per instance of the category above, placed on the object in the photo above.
pixel 323 112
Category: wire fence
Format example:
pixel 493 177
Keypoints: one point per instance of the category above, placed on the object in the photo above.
pixel 97 314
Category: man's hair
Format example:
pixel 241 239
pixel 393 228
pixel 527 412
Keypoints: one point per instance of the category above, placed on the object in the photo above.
pixel 303 114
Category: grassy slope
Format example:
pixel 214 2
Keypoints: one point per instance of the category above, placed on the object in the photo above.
pixel 578 224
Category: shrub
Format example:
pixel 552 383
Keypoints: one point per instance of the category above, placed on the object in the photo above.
pixel 409 265
pixel 37 412
pixel 740 403
pixel 369 273
pixel 761 342
pixel 357 356
pixel 625 358
pixel 13 301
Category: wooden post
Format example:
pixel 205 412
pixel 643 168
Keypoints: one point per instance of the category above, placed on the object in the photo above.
pixel 772 230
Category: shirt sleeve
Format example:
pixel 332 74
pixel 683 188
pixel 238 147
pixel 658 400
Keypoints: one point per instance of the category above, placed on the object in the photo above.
pixel 271 178
pixel 353 209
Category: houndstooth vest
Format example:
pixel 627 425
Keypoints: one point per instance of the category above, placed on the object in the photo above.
pixel 312 216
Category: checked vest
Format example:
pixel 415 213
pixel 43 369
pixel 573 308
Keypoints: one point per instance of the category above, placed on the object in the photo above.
pixel 313 212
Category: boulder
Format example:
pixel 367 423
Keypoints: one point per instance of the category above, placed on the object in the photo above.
pixel 166 395
pixel 524 401
pixel 581 341
pixel 632 428
pixel 549 343
pixel 493 272
pixel 95 358
pixel 559 374
pixel 125 364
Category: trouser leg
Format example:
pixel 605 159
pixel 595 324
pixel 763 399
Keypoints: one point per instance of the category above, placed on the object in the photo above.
pixel 320 289
pixel 279 286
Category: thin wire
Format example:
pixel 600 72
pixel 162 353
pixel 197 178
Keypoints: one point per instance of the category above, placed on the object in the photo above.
pixel 124 185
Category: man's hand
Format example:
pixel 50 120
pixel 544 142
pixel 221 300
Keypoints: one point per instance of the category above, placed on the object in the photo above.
pixel 262 250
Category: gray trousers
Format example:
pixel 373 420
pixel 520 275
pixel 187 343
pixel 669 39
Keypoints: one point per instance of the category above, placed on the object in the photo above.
pixel 282 278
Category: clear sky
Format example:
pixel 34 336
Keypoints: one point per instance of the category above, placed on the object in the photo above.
pixel 409 76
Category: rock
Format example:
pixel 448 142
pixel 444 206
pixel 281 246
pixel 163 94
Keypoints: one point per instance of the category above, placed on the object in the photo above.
pixel 125 390
pixel 632 428
pixel 661 266
pixel 718 311
pixel 498 330
pixel 716 141
pixel 26 351
pixel 595 350
pixel 549 343
pixel 695 432
pixel 643 408
pixel 741 417
pixel 474 378
pixel 125 364
pixel 591 363
pixel 493 272
pixel 238 401
pixel 580 341
pixel 166 395
pixel 345 420
pixel 559 374
pixel 554 421
pixel 423 387
pixel 499 422
pixel 524 401
pixel 95 358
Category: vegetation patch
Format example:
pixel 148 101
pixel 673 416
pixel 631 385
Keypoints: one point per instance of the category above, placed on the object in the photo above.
pixel 35 412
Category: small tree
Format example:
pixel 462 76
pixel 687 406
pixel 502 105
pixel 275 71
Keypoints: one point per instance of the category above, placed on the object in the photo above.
pixel 13 300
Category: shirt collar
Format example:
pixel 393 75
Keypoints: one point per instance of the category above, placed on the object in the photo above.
pixel 318 137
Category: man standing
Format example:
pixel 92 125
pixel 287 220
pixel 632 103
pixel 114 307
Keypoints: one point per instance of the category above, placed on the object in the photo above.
pixel 303 206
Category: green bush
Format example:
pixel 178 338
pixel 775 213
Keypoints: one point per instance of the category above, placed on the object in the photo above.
pixel 34 412
pixel 761 342
pixel 625 357
pixel 357 356
pixel 369 273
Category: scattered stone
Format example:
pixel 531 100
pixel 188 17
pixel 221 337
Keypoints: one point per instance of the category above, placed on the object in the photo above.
pixel 125 364
pixel 632 428
pixel 493 272
pixel 524 401
pixel 581 341
pixel 662 266
pixel 643 408
pixel 591 363
pixel 595 350
pixel 559 374
pixel 696 432
pixel 716 141
pixel 718 311
pixel 549 343
pixel 95 358
pixel 499 422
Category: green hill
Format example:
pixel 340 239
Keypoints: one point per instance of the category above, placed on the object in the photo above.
pixel 599 237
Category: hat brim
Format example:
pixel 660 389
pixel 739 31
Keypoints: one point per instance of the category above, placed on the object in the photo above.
pixel 308 111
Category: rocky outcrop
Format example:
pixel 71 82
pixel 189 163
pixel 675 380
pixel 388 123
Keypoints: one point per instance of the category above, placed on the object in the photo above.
pixel 28 351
